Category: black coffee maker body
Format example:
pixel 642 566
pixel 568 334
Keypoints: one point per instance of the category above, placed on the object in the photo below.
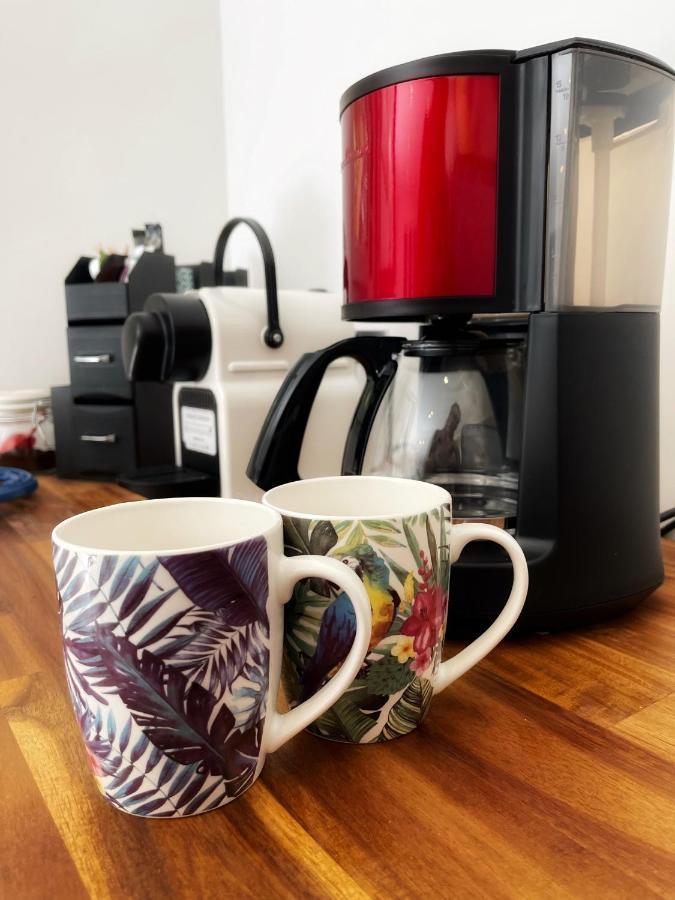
pixel 516 205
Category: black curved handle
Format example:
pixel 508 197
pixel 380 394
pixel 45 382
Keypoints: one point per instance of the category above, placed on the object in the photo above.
pixel 274 336
pixel 275 457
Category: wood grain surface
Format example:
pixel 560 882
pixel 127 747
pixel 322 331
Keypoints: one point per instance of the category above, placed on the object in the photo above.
pixel 547 771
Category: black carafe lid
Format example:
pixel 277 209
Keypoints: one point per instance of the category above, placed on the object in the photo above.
pixel 448 336
pixel 456 336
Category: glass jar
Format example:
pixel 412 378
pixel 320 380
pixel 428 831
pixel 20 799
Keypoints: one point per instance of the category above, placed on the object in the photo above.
pixel 26 430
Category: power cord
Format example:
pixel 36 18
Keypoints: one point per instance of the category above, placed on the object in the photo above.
pixel 667 519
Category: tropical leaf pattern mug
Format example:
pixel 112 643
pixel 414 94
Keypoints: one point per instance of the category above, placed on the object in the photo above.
pixel 168 679
pixel 171 654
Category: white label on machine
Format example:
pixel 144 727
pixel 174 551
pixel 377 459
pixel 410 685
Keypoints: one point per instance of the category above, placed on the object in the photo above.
pixel 198 429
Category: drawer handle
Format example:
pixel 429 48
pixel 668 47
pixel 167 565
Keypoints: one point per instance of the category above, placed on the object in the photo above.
pixel 95 359
pixel 99 438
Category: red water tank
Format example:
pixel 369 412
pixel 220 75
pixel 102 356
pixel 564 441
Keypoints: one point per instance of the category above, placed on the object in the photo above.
pixel 419 175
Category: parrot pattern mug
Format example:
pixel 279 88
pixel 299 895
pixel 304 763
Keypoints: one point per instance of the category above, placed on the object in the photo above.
pixel 397 536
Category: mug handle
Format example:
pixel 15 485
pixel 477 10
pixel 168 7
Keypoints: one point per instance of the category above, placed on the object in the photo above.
pixel 460 536
pixel 284 726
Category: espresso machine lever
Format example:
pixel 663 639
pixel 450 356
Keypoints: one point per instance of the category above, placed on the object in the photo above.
pixel 273 335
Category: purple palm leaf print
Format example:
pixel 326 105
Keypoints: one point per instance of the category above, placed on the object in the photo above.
pixel 167 664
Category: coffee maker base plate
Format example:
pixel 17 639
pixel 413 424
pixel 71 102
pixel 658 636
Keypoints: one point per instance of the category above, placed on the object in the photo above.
pixel 461 625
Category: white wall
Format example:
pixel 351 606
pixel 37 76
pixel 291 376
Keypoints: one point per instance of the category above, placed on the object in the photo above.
pixel 285 66
pixel 112 116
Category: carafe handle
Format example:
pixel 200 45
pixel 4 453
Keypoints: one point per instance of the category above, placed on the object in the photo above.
pixel 276 454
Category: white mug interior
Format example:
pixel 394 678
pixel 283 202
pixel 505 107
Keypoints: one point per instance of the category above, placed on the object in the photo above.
pixel 355 497
pixel 161 527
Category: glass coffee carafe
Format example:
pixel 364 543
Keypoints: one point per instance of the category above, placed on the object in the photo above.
pixel 453 415
pixel 445 408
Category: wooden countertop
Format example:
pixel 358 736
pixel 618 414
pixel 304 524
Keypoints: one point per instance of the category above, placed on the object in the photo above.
pixel 547 771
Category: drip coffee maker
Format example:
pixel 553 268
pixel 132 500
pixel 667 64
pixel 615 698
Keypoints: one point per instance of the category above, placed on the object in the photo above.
pixel 516 206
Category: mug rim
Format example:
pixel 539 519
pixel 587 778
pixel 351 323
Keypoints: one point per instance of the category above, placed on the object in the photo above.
pixel 102 511
pixel 444 497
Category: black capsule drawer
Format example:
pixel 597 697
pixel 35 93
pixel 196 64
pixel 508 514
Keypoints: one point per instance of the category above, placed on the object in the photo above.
pixel 104 438
pixel 96 369
pixel 93 439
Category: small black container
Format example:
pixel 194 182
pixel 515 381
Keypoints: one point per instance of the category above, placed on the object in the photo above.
pixel 113 301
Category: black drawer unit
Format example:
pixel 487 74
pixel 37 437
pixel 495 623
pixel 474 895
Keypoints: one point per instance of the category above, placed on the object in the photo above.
pixel 104 425
pixel 96 368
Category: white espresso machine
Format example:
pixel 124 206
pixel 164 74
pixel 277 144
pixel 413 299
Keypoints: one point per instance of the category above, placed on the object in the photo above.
pixel 225 352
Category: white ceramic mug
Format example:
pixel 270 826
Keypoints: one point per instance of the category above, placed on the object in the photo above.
pixel 397 535
pixel 173 630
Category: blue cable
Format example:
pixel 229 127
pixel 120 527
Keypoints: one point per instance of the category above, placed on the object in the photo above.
pixel 15 483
